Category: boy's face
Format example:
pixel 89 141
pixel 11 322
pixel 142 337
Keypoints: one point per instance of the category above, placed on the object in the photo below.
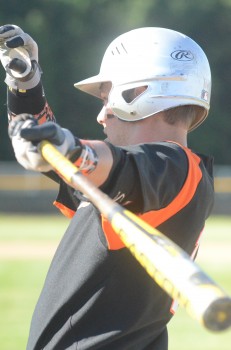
pixel 118 132
pixel 114 128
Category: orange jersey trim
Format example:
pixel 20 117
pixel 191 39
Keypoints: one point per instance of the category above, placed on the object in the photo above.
pixel 157 217
pixel 64 210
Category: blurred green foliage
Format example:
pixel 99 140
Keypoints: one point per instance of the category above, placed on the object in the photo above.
pixel 72 36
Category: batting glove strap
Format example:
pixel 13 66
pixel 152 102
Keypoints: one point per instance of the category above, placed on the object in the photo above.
pixel 26 83
pixel 84 157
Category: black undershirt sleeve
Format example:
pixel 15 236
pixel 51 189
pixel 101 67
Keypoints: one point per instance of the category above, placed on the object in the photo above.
pixel 31 101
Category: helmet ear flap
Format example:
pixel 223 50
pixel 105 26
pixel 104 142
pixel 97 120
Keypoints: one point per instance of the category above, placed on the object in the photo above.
pixel 127 100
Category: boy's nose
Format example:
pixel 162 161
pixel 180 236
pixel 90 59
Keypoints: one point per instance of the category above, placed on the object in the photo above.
pixel 102 116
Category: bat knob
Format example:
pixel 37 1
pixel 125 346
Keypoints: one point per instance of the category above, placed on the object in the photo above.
pixel 218 315
pixel 20 65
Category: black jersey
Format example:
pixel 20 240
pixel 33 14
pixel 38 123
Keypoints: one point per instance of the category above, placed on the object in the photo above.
pixel 96 295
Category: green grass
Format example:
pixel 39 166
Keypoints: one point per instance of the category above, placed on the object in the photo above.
pixel 32 227
pixel 21 281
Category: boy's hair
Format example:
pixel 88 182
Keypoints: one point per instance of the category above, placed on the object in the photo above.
pixel 185 115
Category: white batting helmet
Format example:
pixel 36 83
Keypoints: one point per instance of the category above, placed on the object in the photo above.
pixel 171 65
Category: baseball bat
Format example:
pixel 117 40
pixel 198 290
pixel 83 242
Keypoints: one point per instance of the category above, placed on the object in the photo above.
pixel 167 264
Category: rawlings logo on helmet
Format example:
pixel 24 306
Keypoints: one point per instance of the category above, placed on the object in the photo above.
pixel 182 55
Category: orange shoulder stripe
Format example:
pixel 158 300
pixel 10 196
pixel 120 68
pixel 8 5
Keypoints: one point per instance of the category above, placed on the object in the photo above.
pixel 157 217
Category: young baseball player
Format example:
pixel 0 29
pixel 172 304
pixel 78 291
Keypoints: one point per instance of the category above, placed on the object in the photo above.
pixel 155 85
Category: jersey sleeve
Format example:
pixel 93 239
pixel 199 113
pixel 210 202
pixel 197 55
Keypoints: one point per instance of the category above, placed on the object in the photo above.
pixel 148 176
pixel 143 178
